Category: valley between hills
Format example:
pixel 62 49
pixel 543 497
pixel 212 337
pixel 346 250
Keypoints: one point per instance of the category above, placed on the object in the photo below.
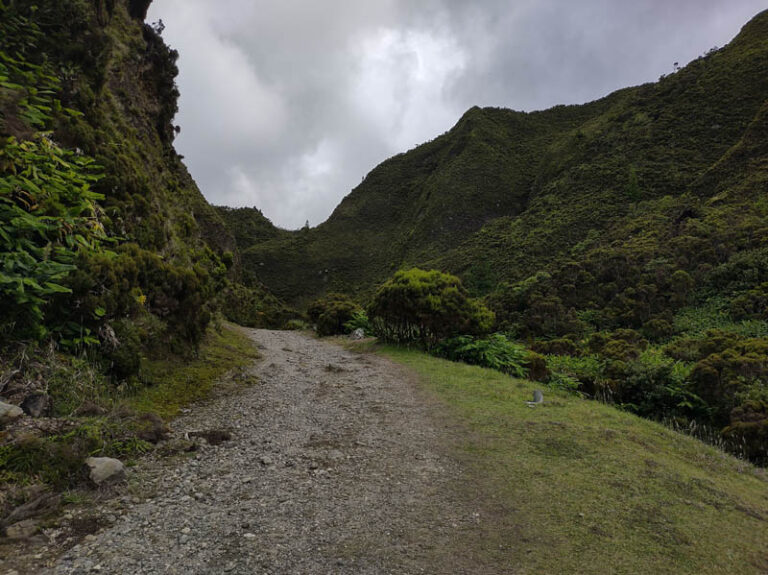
pixel 189 388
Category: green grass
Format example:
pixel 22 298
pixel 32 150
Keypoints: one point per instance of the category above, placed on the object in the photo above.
pixel 171 384
pixel 575 486
pixel 174 382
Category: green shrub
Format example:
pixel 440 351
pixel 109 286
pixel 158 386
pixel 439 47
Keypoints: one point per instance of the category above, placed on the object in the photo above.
pixel 297 325
pixel 417 306
pixel 564 381
pixel 658 329
pixel 748 429
pixel 332 313
pixel 359 321
pixel 536 365
pixel 124 354
pixel 587 370
pixel 48 216
pixel 722 378
pixel 495 352
pixel 253 306
pixel 562 346
pixel 656 386
pixel 752 304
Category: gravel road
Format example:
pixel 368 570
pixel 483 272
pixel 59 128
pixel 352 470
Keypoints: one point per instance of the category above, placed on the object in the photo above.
pixel 337 464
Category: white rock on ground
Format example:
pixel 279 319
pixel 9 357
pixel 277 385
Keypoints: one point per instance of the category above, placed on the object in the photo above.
pixel 105 470
pixel 9 413
pixel 22 530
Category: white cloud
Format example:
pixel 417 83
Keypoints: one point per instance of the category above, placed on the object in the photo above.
pixel 400 84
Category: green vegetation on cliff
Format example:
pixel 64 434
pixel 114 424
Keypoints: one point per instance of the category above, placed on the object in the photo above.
pixel 605 236
pixel 504 194
pixel 111 261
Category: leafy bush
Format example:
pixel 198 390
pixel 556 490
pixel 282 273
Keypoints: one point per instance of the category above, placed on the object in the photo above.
pixel 588 371
pixel 253 306
pixel 564 381
pixel 359 321
pixel 48 212
pixel 723 378
pixel 751 305
pixel 658 387
pixel 124 353
pixel 131 281
pixel 749 429
pixel 562 346
pixel 332 313
pixel 495 352
pixel 296 325
pixel 48 216
pixel 425 307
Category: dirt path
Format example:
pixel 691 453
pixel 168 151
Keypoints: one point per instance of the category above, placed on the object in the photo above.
pixel 337 465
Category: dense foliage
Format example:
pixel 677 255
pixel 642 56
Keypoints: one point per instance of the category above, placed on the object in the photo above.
pixel 49 214
pixel 89 80
pixel 495 352
pixel 333 313
pixel 425 307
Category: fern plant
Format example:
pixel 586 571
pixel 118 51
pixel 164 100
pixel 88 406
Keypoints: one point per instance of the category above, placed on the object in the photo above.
pixel 495 352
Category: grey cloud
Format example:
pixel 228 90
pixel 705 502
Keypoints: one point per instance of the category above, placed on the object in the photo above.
pixel 287 105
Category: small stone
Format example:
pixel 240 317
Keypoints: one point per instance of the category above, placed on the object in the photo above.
pixel 105 470
pixel 266 460
pixel 358 334
pixel 249 536
pixel 36 404
pixel 9 413
pixel 22 529
pixel 186 531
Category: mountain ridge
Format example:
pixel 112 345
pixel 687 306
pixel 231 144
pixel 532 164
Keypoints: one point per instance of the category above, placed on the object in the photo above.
pixel 428 205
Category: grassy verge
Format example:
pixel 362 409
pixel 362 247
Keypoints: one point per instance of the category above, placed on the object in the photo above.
pixel 174 382
pixel 574 486
pixel 117 423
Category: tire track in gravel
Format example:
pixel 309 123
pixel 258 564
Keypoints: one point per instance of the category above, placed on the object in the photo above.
pixel 338 464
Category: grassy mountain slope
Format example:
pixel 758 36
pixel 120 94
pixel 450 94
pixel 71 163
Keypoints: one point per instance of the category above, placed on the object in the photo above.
pixel 504 193
pixel 573 486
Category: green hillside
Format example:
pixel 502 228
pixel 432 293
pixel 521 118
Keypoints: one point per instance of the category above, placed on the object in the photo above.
pixel 625 239
pixel 91 85
pixel 572 486
pixel 505 194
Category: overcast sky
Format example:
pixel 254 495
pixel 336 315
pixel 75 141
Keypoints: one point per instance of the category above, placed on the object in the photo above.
pixel 287 104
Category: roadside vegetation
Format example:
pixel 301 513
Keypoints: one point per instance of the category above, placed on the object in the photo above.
pixel 113 268
pixel 576 486
pixel 96 418
pixel 705 381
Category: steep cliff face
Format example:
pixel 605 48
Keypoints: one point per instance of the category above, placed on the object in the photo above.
pixel 90 83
